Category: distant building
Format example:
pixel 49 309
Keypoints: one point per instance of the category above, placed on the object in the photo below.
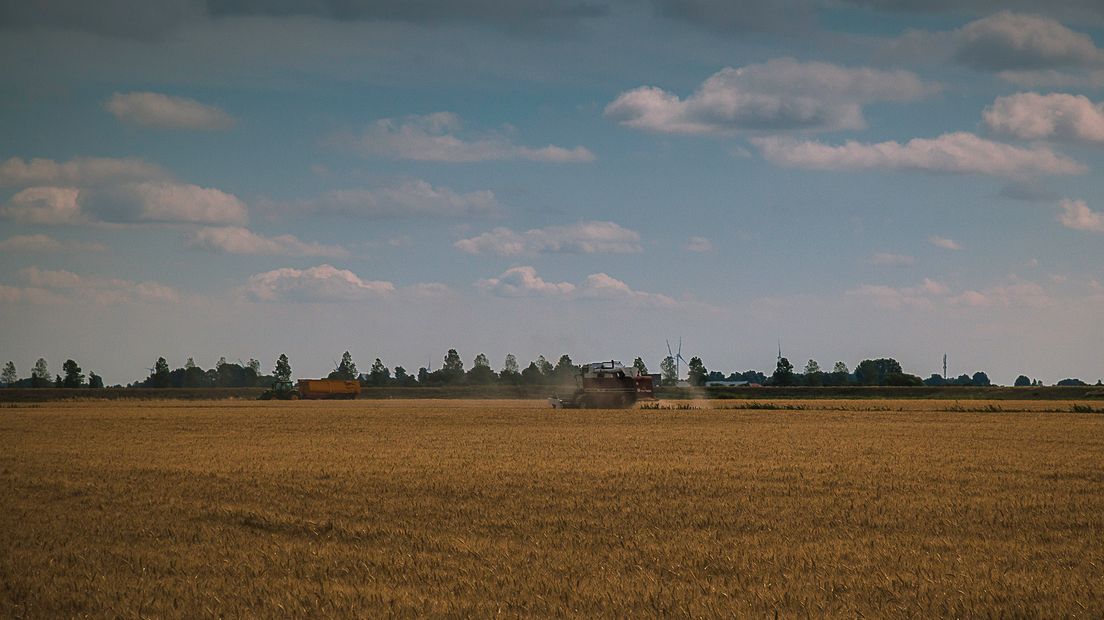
pixel 727 384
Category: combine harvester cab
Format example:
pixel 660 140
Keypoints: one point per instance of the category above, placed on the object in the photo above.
pixel 608 385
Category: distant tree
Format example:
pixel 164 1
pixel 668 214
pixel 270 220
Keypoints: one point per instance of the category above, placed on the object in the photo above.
pixel 841 367
pixel 9 376
pixel 452 372
pixel 544 366
pixel 873 372
pixel 95 381
pixel 403 378
pixel 423 376
pixel 565 370
pixel 751 376
pixel 40 374
pixel 73 376
pixel 160 376
pixel 696 371
pixel 715 375
pixel 813 375
pixel 668 371
pixel 255 366
pixel 282 372
pixel 379 375
pixel 903 379
pixel 981 379
pixel 935 380
pixel 783 373
pixel 221 362
pixel 1022 381
pixel 510 373
pixel 190 364
pixel 532 375
pixel 346 369
pixel 638 364
pixel 481 372
pixel 1071 383
pixel 58 382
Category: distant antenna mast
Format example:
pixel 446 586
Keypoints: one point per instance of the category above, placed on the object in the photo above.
pixel 944 366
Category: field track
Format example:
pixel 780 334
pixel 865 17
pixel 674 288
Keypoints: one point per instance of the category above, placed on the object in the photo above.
pixel 415 508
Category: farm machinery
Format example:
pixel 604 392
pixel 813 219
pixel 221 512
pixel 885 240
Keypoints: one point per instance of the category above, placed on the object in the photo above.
pixel 609 385
pixel 281 390
pixel 312 389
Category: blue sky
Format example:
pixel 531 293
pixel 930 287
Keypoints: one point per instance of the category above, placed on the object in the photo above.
pixel 855 178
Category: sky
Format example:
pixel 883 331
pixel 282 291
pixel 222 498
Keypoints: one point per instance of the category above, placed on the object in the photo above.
pixel 848 179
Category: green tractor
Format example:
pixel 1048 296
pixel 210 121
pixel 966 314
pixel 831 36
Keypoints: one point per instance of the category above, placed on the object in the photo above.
pixel 281 390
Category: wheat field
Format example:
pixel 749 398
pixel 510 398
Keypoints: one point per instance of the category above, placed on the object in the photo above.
pixel 508 508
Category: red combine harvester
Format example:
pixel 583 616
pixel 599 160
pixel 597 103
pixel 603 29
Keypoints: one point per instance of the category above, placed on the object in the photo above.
pixel 609 385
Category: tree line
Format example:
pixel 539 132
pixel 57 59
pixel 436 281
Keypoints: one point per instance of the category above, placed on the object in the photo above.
pixel 869 372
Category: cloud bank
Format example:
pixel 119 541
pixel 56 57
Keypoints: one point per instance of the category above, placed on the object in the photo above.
pixel 523 281
pixel 323 283
pixel 439 137
pixel 581 238
pixel 238 240
pixel 167 112
pixel 1055 116
pixel 778 95
pixel 952 153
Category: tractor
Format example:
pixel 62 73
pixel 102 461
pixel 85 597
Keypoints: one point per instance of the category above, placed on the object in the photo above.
pixel 281 390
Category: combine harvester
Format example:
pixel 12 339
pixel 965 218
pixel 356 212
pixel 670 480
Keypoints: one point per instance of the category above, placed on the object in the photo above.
pixel 609 385
pixel 312 389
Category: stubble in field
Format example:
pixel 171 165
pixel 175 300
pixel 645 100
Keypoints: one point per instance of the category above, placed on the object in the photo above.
pixel 417 508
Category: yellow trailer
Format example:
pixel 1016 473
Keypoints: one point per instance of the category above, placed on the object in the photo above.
pixel 319 389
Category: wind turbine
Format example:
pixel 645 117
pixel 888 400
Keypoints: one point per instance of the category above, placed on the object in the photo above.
pixel 677 356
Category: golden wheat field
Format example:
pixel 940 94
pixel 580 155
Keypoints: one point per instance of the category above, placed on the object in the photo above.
pixel 489 508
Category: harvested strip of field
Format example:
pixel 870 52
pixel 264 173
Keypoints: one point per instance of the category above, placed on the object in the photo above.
pixel 416 508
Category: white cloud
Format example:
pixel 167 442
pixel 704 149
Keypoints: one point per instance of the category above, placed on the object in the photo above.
pixel 699 244
pixel 86 171
pixel 1009 41
pixel 885 259
pixel 60 286
pixel 1078 216
pixel 1050 78
pixel 1055 116
pixel 412 198
pixel 164 111
pixel 238 240
pixel 44 205
pixel 523 282
pixel 777 95
pixel 603 286
pixel 581 238
pixel 896 298
pixel 952 153
pixel 45 243
pixel 1014 294
pixel 435 137
pixel 323 283
pixel 163 202
pixel 943 242
pixel 930 293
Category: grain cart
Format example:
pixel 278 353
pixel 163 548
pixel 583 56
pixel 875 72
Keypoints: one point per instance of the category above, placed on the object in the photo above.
pixel 324 389
pixel 608 385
